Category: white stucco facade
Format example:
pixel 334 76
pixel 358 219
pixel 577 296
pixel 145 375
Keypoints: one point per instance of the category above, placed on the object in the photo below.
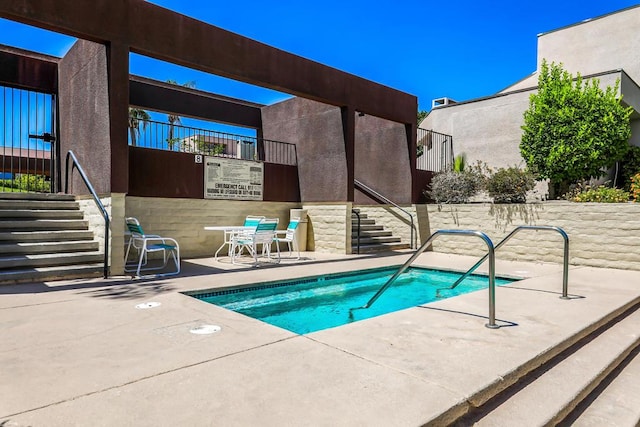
pixel 606 48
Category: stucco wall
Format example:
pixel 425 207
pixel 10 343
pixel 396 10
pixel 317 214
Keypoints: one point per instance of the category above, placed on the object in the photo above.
pixel 600 234
pixel 488 130
pixel 84 114
pixel 382 159
pixel 316 129
pixel 607 43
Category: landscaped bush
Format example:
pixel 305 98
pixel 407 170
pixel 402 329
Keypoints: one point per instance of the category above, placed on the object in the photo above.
pixel 454 187
pixel 630 166
pixel 510 185
pixel 635 187
pixel 602 194
pixel 26 182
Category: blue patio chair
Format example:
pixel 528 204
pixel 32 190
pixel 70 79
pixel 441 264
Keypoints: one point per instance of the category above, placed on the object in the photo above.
pixel 149 243
pixel 250 221
pixel 289 236
pixel 264 235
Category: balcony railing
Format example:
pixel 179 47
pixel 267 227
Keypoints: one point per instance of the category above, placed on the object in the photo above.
pixel 185 139
pixel 435 151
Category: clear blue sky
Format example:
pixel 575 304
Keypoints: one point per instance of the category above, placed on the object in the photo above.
pixel 459 48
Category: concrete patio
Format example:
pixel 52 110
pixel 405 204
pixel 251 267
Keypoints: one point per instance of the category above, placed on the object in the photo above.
pixel 79 353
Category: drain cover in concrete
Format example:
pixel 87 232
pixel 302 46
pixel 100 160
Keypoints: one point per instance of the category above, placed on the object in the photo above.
pixel 145 305
pixel 205 329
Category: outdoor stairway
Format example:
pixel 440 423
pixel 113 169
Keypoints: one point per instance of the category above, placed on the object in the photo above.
pixel 45 237
pixel 373 238
pixel 594 382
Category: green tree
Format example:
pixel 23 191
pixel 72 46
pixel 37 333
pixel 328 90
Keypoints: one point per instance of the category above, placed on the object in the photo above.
pixel 174 119
pixel 137 117
pixel 421 115
pixel 573 129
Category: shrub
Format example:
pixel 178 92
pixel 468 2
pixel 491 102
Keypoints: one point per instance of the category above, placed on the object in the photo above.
pixel 630 166
pixel 602 194
pixel 510 185
pixel 635 187
pixel 454 187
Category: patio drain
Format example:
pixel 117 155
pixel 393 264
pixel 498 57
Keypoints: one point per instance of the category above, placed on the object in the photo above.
pixel 205 329
pixel 146 305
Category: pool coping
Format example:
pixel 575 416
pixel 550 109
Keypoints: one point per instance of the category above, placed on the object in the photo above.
pixel 108 363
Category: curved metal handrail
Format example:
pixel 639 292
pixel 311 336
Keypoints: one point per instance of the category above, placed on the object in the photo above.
pixel 565 273
pixel 105 215
pixel 413 243
pixel 492 270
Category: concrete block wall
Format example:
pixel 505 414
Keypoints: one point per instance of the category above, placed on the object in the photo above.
pixel 600 234
pixel 329 227
pixel 114 205
pixel 185 219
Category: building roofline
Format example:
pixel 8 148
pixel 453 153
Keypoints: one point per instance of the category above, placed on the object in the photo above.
pixel 527 89
pixel 585 21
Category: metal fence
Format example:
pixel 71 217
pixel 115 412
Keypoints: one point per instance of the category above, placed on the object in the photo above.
pixel 185 139
pixel 435 151
pixel 27 134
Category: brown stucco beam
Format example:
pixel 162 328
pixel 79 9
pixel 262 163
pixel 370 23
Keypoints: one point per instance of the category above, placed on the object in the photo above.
pixel 23 70
pixel 177 100
pixel 198 45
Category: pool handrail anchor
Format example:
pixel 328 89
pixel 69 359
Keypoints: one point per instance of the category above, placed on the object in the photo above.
pixel 423 247
pixel 565 272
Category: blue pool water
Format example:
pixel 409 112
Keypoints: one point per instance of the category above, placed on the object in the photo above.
pixel 315 303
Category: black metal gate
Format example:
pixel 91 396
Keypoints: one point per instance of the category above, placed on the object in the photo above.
pixel 27 141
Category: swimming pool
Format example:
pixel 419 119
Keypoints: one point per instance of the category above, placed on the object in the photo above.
pixel 320 302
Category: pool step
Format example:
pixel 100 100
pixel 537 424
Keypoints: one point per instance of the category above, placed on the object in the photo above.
pixel 373 238
pixel 561 389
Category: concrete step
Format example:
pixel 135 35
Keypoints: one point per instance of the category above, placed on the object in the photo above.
pixel 374 233
pixel 39 204
pixel 45 236
pixel 41 274
pixel 554 394
pixel 19 214
pixel 363 221
pixel 47 247
pixel 37 196
pixel 375 240
pixel 381 247
pixel 43 224
pixel 618 404
pixel 366 227
pixel 48 260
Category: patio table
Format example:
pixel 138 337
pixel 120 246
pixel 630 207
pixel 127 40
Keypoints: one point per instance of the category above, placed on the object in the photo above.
pixel 228 231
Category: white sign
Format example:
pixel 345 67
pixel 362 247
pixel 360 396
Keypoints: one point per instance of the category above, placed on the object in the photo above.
pixel 232 179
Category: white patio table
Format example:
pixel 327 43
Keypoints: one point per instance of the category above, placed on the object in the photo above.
pixel 228 230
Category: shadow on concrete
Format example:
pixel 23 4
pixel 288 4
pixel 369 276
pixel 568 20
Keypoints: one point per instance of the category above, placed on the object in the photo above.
pixel 500 322
pixel 129 287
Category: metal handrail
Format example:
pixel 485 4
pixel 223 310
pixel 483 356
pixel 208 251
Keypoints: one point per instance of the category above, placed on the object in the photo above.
pixel 492 270
pixel 413 243
pixel 565 273
pixel 358 215
pixel 105 215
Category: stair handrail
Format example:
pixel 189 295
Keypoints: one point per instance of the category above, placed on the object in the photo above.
pixel 565 268
pixel 492 270
pixel 105 215
pixel 357 215
pixel 366 188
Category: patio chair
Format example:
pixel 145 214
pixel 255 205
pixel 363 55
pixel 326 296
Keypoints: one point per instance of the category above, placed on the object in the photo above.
pixel 289 236
pixel 149 243
pixel 249 221
pixel 264 234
